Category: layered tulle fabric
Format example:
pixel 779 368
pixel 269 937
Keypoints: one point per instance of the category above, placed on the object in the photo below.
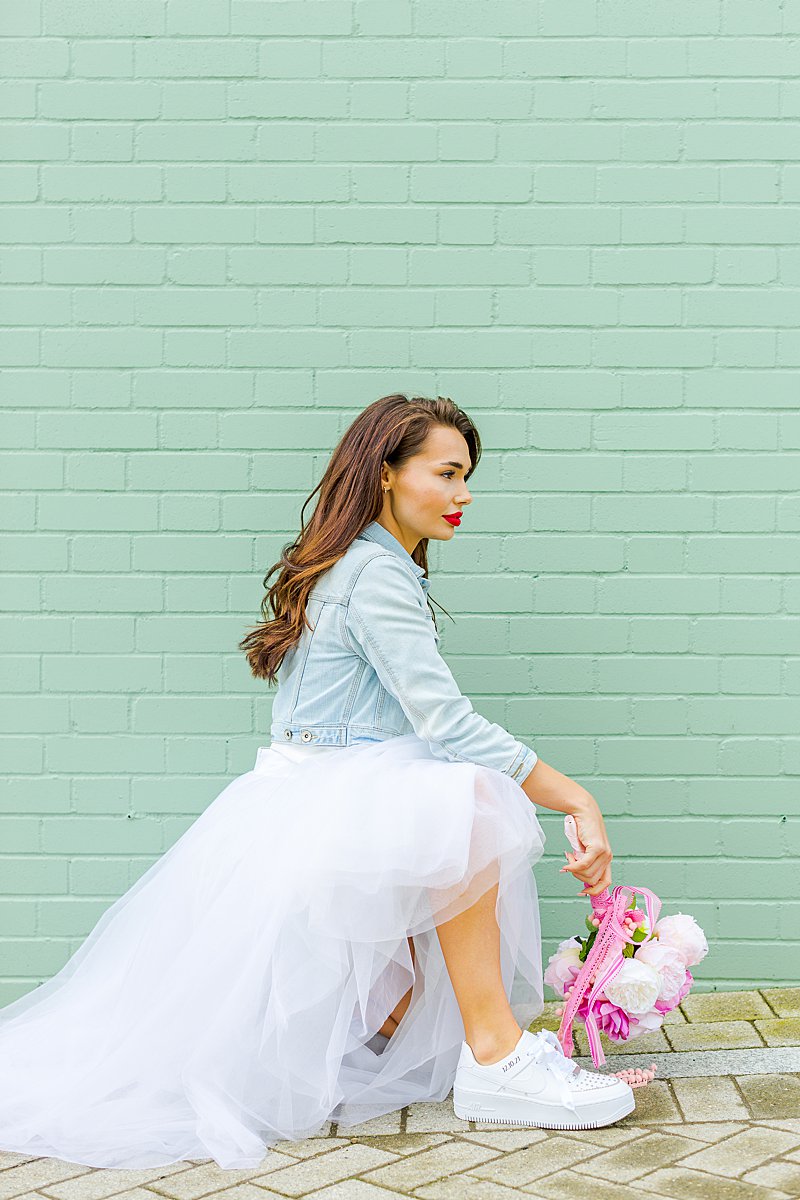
pixel 225 1002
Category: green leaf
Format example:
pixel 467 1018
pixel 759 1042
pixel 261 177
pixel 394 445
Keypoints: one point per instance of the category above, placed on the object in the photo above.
pixel 587 945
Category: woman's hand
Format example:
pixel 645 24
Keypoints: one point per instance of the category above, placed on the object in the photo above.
pixel 546 786
pixel 593 865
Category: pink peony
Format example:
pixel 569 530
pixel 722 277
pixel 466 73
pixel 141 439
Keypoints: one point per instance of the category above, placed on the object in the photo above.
pixel 682 932
pixel 611 1020
pixel 647 1022
pixel 664 1007
pixel 563 966
pixel 670 966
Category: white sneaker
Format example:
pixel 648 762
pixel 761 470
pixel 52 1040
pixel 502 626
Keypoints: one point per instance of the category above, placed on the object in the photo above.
pixel 536 1084
pixel 377 1043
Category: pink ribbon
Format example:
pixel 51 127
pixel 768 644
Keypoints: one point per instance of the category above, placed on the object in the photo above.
pixel 603 961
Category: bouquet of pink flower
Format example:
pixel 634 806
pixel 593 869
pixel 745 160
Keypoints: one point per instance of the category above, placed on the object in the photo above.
pixel 628 971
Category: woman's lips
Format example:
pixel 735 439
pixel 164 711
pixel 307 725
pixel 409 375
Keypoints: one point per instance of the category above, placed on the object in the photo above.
pixel 454 518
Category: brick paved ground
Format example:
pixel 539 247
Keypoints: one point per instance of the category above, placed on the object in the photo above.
pixel 698 1131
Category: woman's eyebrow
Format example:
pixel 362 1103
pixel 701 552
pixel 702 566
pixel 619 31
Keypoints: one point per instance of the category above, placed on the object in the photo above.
pixel 450 463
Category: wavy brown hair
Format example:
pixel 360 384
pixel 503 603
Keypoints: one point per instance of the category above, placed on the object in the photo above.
pixel 392 430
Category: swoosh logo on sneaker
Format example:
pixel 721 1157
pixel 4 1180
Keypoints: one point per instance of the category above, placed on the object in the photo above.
pixel 527 1087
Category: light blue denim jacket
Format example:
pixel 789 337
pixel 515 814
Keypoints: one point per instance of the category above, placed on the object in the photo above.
pixel 370 669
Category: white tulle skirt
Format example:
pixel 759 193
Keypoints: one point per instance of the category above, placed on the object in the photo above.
pixel 226 1001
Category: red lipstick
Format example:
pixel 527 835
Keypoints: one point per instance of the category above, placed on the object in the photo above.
pixel 453 518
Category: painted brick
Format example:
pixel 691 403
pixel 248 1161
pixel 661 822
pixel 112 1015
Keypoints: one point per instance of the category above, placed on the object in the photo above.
pixel 230 226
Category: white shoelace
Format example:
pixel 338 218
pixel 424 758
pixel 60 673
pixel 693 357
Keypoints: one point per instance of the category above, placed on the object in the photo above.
pixel 548 1053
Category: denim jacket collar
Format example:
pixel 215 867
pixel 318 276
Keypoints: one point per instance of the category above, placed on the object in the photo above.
pixel 375 532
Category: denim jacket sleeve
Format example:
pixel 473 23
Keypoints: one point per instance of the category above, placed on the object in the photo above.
pixel 388 623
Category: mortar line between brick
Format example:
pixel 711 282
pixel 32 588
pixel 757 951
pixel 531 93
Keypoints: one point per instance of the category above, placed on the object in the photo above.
pixel 677 1102
pixel 671 1092
pixel 758 1032
pixel 744 1098
pixel 726 1137
pixel 769 1006
pixel 601 1152
pixel 765 1162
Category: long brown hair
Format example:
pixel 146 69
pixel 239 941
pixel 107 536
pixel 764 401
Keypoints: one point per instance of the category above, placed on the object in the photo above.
pixel 392 430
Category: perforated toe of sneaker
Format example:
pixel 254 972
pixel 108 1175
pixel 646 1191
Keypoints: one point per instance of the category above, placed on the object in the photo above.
pixel 592 1081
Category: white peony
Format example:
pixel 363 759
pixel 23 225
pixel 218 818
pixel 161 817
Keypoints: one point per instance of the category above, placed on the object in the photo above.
pixel 561 968
pixel 647 1022
pixel 682 933
pixel 670 965
pixel 635 987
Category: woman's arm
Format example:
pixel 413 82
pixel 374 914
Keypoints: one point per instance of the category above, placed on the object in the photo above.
pixel 548 787
pixel 387 623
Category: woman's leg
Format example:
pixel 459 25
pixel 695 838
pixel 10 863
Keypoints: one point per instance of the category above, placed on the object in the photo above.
pixel 470 944
pixel 393 1020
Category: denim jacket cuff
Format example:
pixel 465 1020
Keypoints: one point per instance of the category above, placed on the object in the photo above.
pixel 523 764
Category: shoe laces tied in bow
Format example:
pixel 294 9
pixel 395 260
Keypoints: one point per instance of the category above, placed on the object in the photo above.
pixel 549 1053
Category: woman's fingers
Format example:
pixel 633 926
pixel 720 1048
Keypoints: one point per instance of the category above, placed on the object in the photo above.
pixel 590 869
pixel 577 862
pixel 588 864
pixel 597 884
pixel 592 865
pixel 597 889
pixel 605 881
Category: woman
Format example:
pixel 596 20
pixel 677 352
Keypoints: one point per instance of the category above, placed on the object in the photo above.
pixel 352 926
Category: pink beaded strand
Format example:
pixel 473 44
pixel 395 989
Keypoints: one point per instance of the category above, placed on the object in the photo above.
pixel 637 1076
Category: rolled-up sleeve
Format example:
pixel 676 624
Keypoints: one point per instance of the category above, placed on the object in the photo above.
pixel 388 624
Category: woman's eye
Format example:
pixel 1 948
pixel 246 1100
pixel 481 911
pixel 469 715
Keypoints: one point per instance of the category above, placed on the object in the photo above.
pixel 447 474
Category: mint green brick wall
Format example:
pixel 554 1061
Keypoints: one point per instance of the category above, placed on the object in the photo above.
pixel 227 227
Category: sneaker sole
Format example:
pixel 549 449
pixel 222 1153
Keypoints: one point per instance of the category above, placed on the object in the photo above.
pixel 512 1110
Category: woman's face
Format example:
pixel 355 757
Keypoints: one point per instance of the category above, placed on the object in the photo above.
pixel 426 488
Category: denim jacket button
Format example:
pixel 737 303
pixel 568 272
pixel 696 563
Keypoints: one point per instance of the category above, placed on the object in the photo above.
pixel 287 733
pixel 306 735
